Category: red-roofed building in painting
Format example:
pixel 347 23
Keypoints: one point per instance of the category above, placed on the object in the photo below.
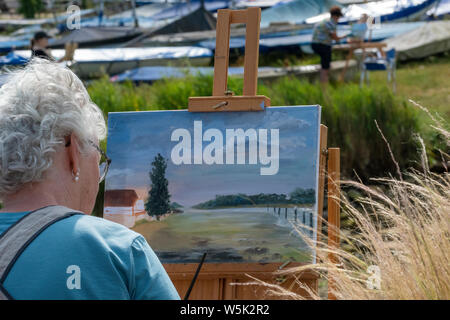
pixel 122 206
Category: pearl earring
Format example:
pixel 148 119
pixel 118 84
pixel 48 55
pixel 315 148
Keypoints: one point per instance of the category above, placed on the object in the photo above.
pixel 77 176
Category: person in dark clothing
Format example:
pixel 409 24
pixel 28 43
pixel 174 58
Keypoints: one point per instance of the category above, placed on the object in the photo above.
pixel 323 35
pixel 39 45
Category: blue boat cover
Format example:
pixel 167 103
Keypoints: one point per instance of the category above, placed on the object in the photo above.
pixel 96 55
pixel 440 10
pixel 12 59
pixel 382 11
pixel 182 9
pixel 7 46
pixel 150 74
pixel 295 12
pixel 303 37
pixel 154 15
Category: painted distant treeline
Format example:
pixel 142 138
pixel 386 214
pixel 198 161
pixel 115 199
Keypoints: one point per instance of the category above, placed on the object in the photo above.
pixel 175 205
pixel 298 196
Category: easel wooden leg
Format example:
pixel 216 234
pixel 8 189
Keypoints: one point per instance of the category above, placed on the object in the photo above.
pixel 347 62
pixel 251 52
pixel 222 53
pixel 322 166
pixel 333 209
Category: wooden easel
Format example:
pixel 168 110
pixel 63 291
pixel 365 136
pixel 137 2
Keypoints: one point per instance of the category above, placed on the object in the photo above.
pixel 215 278
pixel 352 47
pixel 222 99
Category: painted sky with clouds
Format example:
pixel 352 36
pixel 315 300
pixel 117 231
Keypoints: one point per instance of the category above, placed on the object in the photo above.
pixel 135 138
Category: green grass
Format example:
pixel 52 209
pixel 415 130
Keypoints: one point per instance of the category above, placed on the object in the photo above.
pixel 426 81
pixel 166 94
pixel 350 113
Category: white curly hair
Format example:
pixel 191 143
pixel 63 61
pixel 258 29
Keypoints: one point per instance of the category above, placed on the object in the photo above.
pixel 40 105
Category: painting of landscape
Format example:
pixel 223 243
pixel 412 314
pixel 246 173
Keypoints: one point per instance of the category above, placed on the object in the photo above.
pixel 240 186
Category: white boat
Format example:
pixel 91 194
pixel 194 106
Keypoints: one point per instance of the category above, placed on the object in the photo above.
pixel 431 38
pixel 242 4
pixel 440 10
pixel 294 12
pixel 94 62
pixel 381 11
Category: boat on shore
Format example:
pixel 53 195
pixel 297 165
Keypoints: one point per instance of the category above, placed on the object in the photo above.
pixel 441 10
pixel 265 74
pixel 381 11
pixel 302 37
pixel 91 63
pixel 90 37
pixel 295 12
pixel 431 38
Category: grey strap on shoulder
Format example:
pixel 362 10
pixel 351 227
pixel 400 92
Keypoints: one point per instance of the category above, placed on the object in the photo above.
pixel 17 238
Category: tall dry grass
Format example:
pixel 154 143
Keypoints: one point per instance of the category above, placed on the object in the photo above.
pixel 402 248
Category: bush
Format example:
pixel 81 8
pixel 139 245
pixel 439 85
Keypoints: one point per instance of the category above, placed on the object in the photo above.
pixel 348 111
pixel 29 8
pixel 166 94
pixel 113 97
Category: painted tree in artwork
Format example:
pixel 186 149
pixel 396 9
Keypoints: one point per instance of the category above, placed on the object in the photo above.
pixel 158 202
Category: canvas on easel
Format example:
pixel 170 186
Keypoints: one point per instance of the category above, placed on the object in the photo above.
pixel 236 185
pixel 229 177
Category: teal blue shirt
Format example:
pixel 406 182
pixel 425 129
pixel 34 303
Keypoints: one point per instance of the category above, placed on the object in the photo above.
pixel 323 30
pixel 85 257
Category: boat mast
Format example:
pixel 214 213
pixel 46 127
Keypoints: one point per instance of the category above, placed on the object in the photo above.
pixel 133 6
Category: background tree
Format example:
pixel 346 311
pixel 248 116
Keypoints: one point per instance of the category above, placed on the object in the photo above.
pixel 29 8
pixel 158 202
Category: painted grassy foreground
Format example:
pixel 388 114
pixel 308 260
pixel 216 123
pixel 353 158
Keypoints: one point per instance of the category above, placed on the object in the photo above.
pixel 228 235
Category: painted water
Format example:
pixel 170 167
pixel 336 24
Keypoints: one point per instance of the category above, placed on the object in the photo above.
pixel 256 234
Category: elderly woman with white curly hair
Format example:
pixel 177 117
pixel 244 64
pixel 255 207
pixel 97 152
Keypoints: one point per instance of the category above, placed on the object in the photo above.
pixel 50 246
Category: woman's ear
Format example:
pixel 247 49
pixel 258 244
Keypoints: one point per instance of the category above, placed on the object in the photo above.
pixel 74 155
